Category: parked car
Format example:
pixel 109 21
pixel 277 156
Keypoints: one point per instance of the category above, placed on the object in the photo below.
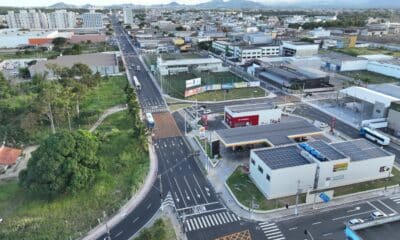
pixel 355 221
pixel 377 214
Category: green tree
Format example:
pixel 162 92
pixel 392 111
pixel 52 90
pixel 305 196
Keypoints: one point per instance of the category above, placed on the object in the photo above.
pixel 5 88
pixel 65 162
pixel 59 42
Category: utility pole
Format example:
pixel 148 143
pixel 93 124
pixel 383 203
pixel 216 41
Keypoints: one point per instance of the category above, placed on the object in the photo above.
pixel 297 197
pixel 185 124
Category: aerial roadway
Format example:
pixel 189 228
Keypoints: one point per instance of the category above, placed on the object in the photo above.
pixel 181 183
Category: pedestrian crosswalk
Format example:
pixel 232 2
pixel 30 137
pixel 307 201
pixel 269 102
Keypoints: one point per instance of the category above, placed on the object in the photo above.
pixel 271 231
pixel 396 199
pixel 209 220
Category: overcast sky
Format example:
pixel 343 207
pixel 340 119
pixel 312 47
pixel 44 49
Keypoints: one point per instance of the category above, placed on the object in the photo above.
pixel 26 3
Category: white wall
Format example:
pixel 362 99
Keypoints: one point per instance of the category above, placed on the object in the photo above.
pixel 283 182
pixel 354 65
pixel 384 69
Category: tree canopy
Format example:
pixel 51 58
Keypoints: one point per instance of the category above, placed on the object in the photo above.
pixel 64 163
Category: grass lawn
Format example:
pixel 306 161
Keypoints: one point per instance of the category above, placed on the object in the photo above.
pixel 244 190
pixel 367 51
pixel 160 226
pixel 175 107
pixel 370 77
pixel 236 93
pixel 175 85
pixel 364 186
pixel 28 216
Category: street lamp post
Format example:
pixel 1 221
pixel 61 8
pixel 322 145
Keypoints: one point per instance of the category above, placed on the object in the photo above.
pixel 297 197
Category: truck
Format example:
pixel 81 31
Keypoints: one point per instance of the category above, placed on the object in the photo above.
pixel 138 68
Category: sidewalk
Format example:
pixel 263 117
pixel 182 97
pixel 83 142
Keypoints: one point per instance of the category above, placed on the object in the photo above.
pixel 132 203
pixel 107 113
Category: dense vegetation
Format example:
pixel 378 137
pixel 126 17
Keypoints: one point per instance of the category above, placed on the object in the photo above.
pixel 31 110
pixel 66 162
pixel 159 231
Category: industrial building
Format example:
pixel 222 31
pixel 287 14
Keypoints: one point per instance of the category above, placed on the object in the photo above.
pixel 103 63
pixel 14 38
pixel 295 78
pixel 342 62
pixel 167 67
pixel 285 170
pixel 370 102
pixel 299 49
pixel 383 64
pixel 251 115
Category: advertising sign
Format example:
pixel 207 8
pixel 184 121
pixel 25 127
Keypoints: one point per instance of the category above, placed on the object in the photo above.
pixel 324 197
pixel 254 84
pixel 340 167
pixel 240 85
pixel 227 86
pixel 193 82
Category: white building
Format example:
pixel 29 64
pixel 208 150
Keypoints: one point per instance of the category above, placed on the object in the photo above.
pixel 383 64
pixel 342 62
pixel 247 52
pixel 282 171
pixel 24 19
pixel 128 16
pixel 320 33
pixel 61 19
pixel 251 114
pixel 184 65
pixel 299 49
pixel 258 38
pixel 92 20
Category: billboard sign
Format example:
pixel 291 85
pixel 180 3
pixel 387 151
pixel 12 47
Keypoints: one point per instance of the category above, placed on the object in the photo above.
pixel 194 91
pixel 340 167
pixel 324 197
pixel 193 82
pixel 227 86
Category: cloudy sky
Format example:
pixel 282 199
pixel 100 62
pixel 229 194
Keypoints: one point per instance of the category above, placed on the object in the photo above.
pixel 26 3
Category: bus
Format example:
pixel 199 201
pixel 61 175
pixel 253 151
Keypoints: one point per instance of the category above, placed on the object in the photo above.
pixel 374 136
pixel 136 82
pixel 150 120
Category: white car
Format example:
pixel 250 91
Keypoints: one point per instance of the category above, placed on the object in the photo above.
pixel 377 214
pixel 355 221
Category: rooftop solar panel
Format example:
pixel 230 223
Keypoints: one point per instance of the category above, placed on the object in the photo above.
pixel 282 157
pixel 360 149
pixel 327 150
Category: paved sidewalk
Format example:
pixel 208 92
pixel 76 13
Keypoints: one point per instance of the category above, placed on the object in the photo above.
pixel 107 113
pixel 133 202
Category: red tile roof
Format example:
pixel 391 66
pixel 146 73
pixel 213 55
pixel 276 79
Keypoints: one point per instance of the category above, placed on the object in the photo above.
pixel 9 156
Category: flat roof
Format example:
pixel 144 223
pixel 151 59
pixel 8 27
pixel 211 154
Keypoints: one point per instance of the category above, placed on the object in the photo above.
pixel 191 61
pixel 369 95
pixel 326 150
pixel 273 134
pixel 299 43
pixel 282 157
pixel 249 107
pixel 388 231
pixel 387 88
pixel 340 57
pixel 360 149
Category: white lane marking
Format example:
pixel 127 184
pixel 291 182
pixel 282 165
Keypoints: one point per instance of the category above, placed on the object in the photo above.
pixel 352 215
pixel 194 224
pixel 229 216
pixel 208 222
pixel 197 182
pixel 292 228
pixel 316 223
pixel 180 192
pixel 372 205
pixel 226 216
pixel 272 231
pixel 116 235
pixel 384 204
pixel 204 222
pixel 190 190
pixel 197 225
pixel 269 227
pixel 200 223
pixel 189 227
pixel 354 210
pixel 274 237
pixel 211 220
pixel 266 224
pixel 234 216
pixel 217 219
pixel 326 234
pixel 135 220
pixel 222 217
pixel 148 206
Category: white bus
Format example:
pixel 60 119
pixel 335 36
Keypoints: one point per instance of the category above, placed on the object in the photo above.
pixel 374 136
pixel 136 82
pixel 150 120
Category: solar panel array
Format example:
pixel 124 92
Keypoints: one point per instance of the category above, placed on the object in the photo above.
pixel 360 149
pixel 282 157
pixel 326 150
pixel 276 133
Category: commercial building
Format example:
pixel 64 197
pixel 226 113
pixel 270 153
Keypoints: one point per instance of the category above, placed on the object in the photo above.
pixel 295 78
pixel 92 20
pixel 13 38
pixel 251 115
pixel 299 49
pixel 342 62
pixel 371 102
pixel 258 38
pixel 383 64
pixel 320 33
pixel 394 117
pixel 167 67
pixel 128 16
pixel 276 134
pixel 247 52
pixel 317 165
pixel 103 63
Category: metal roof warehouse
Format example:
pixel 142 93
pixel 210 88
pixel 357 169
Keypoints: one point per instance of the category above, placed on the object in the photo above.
pixel 272 134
